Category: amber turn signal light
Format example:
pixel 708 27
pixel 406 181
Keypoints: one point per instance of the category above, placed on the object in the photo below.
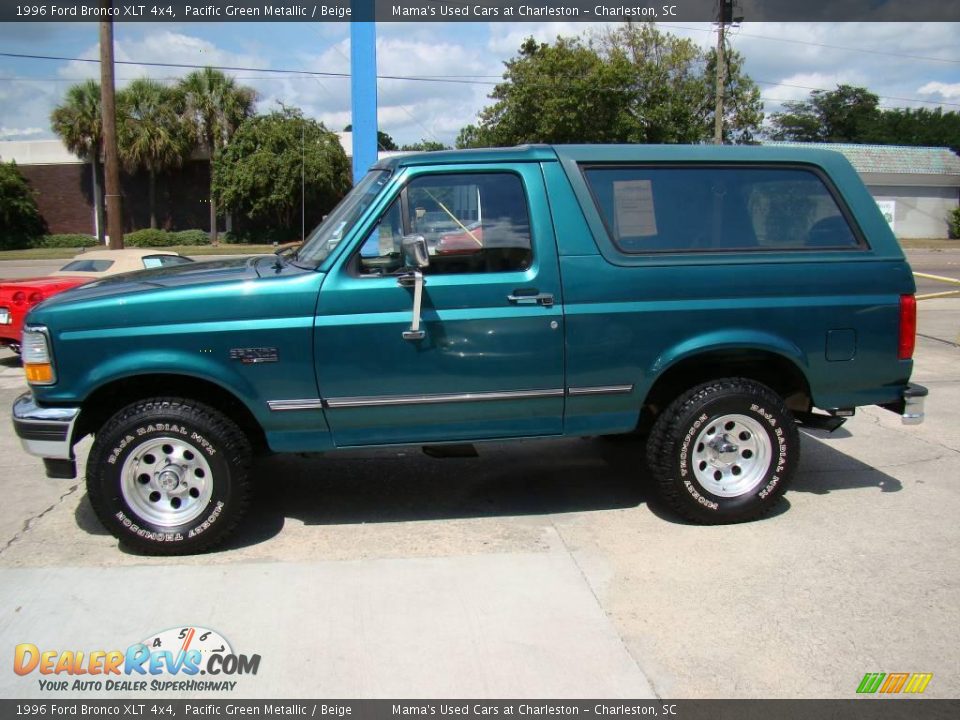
pixel 39 372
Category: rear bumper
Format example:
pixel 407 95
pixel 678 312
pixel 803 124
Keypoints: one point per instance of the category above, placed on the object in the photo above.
pixel 910 407
pixel 46 432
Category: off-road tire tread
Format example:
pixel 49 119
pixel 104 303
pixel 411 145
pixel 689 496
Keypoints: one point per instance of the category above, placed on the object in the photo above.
pixel 665 436
pixel 236 448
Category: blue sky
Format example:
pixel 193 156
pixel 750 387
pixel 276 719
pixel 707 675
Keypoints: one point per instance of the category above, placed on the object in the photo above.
pixel 904 63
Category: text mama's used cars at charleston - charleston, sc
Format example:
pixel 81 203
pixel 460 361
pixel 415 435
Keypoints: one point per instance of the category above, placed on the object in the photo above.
pixel 708 298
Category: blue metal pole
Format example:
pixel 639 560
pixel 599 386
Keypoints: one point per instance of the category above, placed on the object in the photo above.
pixel 363 88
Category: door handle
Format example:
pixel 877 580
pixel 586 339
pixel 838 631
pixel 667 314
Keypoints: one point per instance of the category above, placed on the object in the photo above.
pixel 413 279
pixel 530 296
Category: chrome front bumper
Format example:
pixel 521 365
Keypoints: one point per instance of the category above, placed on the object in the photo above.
pixel 46 432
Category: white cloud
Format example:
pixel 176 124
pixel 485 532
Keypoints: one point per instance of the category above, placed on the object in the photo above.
pixel 163 46
pixel 890 59
pixel 948 91
pixel 798 87
pixel 25 107
pixel 7 133
pixel 506 38
pixel 780 56
pixel 408 109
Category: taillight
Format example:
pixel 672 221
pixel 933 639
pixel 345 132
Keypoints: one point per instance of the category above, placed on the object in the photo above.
pixel 908 326
pixel 35 297
pixel 19 297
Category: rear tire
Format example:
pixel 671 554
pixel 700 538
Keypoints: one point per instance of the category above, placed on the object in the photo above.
pixel 169 476
pixel 724 451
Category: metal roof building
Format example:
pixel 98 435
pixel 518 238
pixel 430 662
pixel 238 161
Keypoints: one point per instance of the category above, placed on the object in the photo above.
pixel 915 187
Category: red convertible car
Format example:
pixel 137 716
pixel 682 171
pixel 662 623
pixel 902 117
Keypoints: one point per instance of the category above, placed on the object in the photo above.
pixel 17 297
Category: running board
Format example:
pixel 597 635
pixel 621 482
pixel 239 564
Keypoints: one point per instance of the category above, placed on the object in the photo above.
pixel 819 422
pixel 457 450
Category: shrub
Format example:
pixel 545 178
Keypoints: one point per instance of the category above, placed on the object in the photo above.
pixel 191 237
pixel 148 238
pixel 66 240
pixel 21 224
pixel 953 220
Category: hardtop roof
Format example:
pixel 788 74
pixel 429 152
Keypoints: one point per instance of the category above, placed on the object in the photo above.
pixel 618 153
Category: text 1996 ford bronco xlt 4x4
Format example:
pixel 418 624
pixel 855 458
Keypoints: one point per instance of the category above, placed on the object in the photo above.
pixel 707 297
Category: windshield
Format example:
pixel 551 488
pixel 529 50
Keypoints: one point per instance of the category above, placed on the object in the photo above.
pixel 327 235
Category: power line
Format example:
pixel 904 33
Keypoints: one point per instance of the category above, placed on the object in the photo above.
pixel 409 114
pixel 234 68
pixel 882 97
pixel 459 80
pixel 823 45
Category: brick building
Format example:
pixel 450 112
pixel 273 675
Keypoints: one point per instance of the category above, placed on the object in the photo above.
pixel 64 187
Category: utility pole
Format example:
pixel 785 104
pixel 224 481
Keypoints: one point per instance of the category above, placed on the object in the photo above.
pixel 108 111
pixel 724 14
pixel 363 86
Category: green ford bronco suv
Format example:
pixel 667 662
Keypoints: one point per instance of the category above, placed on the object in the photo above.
pixel 708 298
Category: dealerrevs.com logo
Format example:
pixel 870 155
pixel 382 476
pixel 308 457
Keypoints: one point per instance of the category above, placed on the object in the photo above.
pixel 183 659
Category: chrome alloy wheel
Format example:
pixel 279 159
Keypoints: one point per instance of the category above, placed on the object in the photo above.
pixel 166 481
pixel 731 455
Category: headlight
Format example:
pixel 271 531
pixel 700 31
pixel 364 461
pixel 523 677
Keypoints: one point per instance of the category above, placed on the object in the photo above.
pixel 36 355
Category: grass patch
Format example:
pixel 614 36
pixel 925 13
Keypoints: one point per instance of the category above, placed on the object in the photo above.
pixel 221 249
pixel 191 250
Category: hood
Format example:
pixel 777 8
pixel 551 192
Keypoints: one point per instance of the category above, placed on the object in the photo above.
pixel 173 276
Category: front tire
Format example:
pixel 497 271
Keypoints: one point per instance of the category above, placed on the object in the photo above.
pixel 724 451
pixel 169 476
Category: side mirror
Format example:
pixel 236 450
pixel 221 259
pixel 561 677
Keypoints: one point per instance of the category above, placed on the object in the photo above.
pixel 415 253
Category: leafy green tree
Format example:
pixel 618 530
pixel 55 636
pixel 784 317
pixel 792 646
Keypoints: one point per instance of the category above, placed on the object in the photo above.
pixel 425 146
pixel 742 106
pixel 260 171
pixel 953 222
pixel 843 115
pixel 472 136
pixel 78 123
pixel 20 220
pixel 664 94
pixel 558 93
pixel 384 141
pixel 153 131
pixel 632 84
pixel 908 126
pixel 216 106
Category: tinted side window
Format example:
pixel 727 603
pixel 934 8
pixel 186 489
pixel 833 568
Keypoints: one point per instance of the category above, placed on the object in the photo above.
pixel 678 209
pixel 473 223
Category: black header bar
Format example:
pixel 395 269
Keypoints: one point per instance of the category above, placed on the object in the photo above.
pixel 482 11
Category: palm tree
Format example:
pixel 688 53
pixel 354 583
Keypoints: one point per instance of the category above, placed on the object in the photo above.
pixel 153 131
pixel 216 105
pixel 78 123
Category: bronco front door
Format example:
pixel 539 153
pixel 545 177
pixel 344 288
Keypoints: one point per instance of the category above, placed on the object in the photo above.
pixel 488 361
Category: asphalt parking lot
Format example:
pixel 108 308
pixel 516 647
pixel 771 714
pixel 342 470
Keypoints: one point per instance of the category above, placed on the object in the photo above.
pixel 539 569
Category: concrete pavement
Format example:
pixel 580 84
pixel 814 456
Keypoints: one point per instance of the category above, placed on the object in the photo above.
pixel 538 569
pixel 491 625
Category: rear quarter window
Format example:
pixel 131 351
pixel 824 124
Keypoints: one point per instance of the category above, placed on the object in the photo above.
pixel 153 261
pixel 87 266
pixel 717 209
